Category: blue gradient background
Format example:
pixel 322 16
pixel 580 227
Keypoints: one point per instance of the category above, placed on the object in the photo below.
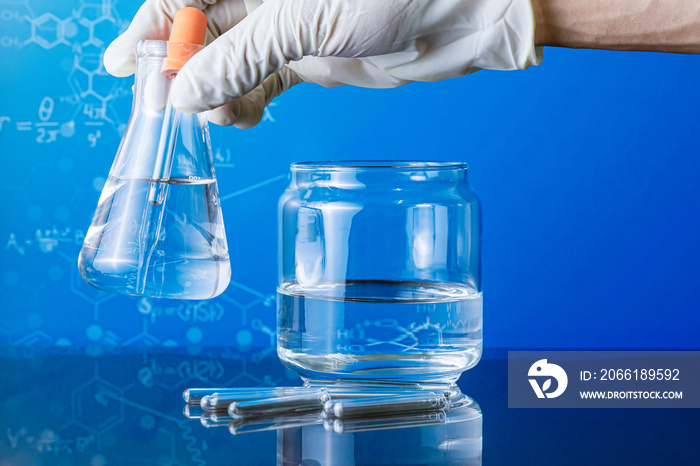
pixel 587 168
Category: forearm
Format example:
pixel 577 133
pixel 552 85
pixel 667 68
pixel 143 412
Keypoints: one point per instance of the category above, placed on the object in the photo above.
pixel 651 25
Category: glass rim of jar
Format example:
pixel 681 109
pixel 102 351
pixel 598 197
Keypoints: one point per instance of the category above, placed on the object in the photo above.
pixel 362 165
pixel 159 48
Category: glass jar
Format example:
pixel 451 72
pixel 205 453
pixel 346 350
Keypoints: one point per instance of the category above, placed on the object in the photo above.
pixel 379 271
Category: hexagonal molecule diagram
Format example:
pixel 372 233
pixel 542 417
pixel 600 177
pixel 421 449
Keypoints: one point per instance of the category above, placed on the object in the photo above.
pixel 47 31
pixel 97 405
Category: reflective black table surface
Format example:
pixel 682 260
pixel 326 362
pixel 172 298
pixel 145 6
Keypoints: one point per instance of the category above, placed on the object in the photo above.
pixel 102 406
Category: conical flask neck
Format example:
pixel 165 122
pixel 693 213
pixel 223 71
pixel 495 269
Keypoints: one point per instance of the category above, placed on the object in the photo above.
pixel 160 142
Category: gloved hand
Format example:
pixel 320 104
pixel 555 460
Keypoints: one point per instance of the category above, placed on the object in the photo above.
pixel 259 50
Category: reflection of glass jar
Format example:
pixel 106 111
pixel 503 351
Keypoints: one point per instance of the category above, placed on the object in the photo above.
pixel 379 271
pixel 453 438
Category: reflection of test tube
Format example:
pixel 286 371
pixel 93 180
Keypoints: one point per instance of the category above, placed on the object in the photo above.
pixel 192 411
pixel 215 420
pixel 244 425
pixel 280 406
pixel 195 395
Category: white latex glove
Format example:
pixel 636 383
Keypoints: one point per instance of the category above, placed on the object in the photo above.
pixel 262 49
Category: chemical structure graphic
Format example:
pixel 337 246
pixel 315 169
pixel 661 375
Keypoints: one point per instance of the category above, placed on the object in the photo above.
pixel 85 31
pixel 100 407
pixel 97 99
pixel 387 334
pixel 409 330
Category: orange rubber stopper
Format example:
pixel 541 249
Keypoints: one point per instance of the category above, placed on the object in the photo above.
pixel 189 27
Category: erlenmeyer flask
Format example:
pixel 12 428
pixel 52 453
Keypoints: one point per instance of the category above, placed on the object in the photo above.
pixel 158 229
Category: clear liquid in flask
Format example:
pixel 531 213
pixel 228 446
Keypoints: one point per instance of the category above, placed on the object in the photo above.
pixel 159 239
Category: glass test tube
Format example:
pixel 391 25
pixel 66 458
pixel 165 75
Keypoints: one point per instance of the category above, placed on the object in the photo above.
pixel 280 406
pixel 360 383
pixel 195 395
pixel 451 391
pixel 387 405
pixel 437 387
pixel 341 389
pixel 222 400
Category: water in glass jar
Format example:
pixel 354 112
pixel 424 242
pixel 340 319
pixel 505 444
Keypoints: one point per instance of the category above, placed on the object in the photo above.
pixel 379 330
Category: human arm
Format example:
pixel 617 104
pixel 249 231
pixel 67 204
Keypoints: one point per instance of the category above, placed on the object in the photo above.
pixel 257 50
pixel 642 25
